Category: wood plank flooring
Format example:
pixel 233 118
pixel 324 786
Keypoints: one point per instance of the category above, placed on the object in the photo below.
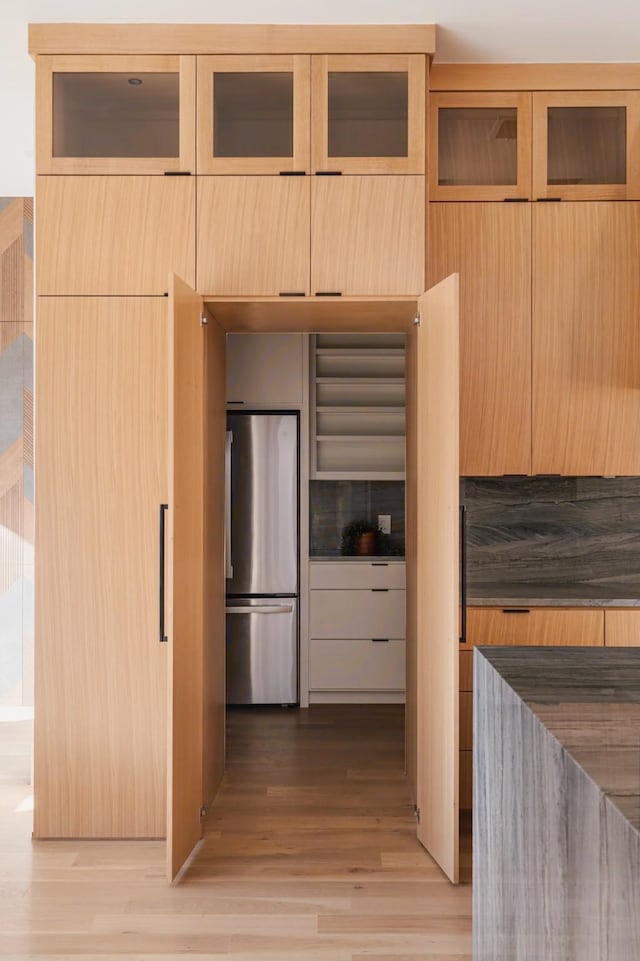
pixel 309 854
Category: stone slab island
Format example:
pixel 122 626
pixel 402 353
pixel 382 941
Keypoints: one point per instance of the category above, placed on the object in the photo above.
pixel 556 806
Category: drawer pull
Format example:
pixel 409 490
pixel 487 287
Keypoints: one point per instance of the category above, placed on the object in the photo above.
pixel 379 590
pixel 379 640
pixel 516 610
pixel 379 563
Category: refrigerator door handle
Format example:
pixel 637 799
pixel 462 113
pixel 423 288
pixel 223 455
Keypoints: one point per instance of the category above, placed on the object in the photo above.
pixel 228 560
pixel 261 609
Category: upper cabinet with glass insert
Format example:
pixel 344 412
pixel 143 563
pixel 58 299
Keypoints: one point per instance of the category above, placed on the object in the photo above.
pixel 585 145
pixel 253 114
pixel 480 146
pixel 368 114
pixel 116 114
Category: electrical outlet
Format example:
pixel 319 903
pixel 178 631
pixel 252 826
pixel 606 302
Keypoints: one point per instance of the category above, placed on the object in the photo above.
pixel 384 523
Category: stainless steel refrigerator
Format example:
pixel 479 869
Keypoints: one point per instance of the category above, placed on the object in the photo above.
pixel 262 558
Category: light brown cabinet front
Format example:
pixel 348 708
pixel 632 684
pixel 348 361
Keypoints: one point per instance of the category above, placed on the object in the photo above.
pixel 539 626
pixel 489 245
pixel 622 628
pixel 586 338
pixel 114 235
pixel 367 235
pixel 253 235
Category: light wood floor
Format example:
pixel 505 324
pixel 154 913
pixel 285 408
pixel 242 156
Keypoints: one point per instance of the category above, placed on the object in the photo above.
pixel 309 853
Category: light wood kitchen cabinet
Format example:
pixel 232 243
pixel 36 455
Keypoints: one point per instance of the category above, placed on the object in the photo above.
pixel 101 673
pixel 114 235
pixel 540 626
pixel 368 113
pixel 264 369
pixel 489 245
pixel 115 114
pixel 253 236
pixel 585 145
pixel 586 338
pixel 480 145
pixel 622 628
pixel 253 114
pixel 367 235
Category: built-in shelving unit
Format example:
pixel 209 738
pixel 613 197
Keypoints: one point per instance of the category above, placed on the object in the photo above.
pixel 358 406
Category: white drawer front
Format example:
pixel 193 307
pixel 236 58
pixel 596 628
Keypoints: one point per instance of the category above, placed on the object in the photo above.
pixel 347 575
pixel 347 665
pixel 357 614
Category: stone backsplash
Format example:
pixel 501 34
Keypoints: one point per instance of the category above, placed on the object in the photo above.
pixel 334 504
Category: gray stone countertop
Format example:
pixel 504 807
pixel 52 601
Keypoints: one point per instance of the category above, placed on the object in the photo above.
pixel 553 595
pixel 589 699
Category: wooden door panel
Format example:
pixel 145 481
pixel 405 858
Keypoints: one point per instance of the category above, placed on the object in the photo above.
pixel 253 235
pixel 622 628
pixel 101 449
pixel 367 235
pixel 114 235
pixel 489 245
pixel 537 626
pixel 586 339
pixel 437 440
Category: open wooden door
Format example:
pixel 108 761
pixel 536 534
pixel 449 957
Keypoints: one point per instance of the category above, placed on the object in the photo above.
pixel 186 615
pixel 436 442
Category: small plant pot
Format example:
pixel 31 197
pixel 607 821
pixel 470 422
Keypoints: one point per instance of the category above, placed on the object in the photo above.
pixel 366 544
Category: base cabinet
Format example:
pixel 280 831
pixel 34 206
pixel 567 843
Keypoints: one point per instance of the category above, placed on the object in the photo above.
pixel 622 628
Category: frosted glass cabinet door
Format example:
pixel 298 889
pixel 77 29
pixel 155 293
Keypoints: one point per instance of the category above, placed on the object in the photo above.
pixel 115 115
pixel 585 145
pixel 253 114
pixel 481 145
pixel 368 114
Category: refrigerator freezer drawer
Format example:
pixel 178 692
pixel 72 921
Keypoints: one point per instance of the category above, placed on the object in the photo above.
pixel 262 650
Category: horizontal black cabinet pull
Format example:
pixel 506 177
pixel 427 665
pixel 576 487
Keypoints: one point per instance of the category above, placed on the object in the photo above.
pixel 177 173
pixel 380 590
pixel 328 173
pixel 379 563
pixel 292 293
pixel 379 640
pixel 235 402
pixel 293 173
pixel 549 200
pixel 328 293
pixel 516 200
pixel 516 610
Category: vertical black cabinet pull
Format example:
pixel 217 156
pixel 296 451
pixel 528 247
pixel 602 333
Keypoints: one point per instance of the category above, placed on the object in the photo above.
pixel 163 508
pixel 463 574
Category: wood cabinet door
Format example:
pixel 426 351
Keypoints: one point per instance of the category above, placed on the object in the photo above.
pixel 114 235
pixel 622 628
pixel 253 114
pixel 368 113
pixel 585 145
pixel 536 626
pixel 481 145
pixel 489 245
pixel 115 114
pixel 586 338
pixel 434 436
pixel 253 236
pixel 367 235
pixel 100 668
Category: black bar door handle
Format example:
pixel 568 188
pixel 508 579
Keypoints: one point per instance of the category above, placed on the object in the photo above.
pixel 163 509
pixel 463 574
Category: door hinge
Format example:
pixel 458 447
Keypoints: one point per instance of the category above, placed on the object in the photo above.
pixel 416 811
pixel 203 319
pixel 417 319
pixel 203 811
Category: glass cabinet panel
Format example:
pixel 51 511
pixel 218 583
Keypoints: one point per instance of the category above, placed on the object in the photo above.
pixel 253 114
pixel 367 114
pixel 115 114
pixel 482 143
pixel 582 145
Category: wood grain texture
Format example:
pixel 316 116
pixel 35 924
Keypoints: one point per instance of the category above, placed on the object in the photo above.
pixel 114 235
pixel 630 190
pixel 229 38
pixel 185 572
pixel 539 626
pixel 214 572
pixel 534 76
pixel 300 68
pixel 586 340
pixel 489 245
pixel 621 628
pixel 253 235
pixel 137 63
pixel 466 720
pixel 411 565
pixel 521 189
pixel 101 454
pixel 466 780
pixel 367 235
pixel 311 315
pixel 415 68
pixel 437 441
pixel 466 669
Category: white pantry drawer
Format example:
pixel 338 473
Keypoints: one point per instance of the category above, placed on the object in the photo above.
pixel 378 612
pixel 347 665
pixel 347 575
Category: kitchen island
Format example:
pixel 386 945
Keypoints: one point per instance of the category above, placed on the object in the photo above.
pixel 556 829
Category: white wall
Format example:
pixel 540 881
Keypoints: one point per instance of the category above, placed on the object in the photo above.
pixel 518 30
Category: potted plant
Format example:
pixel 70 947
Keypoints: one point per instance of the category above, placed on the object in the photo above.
pixel 359 537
